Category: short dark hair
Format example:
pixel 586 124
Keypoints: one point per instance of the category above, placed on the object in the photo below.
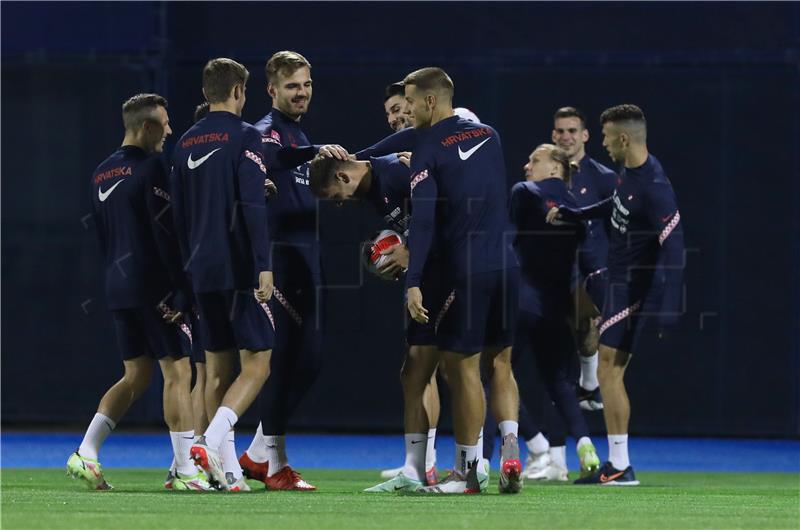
pixel 286 62
pixel 322 173
pixel 395 89
pixel 431 78
pixel 201 111
pixel 220 76
pixel 626 112
pixel 139 108
pixel 570 112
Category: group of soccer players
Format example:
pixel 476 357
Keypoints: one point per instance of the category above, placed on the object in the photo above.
pixel 224 253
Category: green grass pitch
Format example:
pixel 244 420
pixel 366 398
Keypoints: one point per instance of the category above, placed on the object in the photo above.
pixel 46 498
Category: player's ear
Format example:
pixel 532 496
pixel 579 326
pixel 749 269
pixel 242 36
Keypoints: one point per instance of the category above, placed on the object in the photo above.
pixel 554 136
pixel 271 90
pixel 343 177
pixel 430 99
pixel 585 135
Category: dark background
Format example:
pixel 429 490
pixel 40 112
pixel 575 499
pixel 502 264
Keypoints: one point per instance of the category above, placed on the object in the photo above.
pixel 719 83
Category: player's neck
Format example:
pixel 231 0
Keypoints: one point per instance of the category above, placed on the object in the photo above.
pixel 636 156
pixel 132 140
pixel 579 156
pixel 439 115
pixel 227 106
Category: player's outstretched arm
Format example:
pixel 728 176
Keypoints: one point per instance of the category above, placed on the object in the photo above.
pixel 593 211
pixel 404 140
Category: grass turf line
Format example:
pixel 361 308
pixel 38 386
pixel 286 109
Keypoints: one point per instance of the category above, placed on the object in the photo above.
pixel 46 498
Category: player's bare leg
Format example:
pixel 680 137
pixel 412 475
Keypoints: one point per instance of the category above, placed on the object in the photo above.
pixel 236 399
pixel 418 370
pixel 220 366
pixel 617 412
pixel 504 403
pixel 83 464
pixel 586 320
pixel 177 395
pixel 118 399
pixel 469 405
pixel 198 399
pixel 432 404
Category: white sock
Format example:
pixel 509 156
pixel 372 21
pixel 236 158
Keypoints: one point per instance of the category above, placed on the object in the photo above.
pixel 230 462
pixel 508 427
pixel 276 453
pixel 480 443
pixel 558 455
pixel 223 421
pixel 181 444
pixel 430 451
pixel 99 429
pixel 618 451
pixel 538 444
pixel 416 448
pixel 465 456
pixel 258 449
pixel 583 441
pixel 588 378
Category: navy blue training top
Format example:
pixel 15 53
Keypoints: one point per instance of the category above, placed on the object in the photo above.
pixel 293 211
pixel 218 203
pixel 546 252
pixel 646 233
pixel 131 203
pixel 459 195
pixel 390 192
pixel 593 182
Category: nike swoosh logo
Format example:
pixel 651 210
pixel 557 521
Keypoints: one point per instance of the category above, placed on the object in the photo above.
pixel 272 446
pixel 604 478
pixel 103 196
pixel 463 155
pixel 194 164
pixel 417 441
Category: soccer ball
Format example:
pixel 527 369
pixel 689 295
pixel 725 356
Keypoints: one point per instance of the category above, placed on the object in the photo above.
pixel 371 252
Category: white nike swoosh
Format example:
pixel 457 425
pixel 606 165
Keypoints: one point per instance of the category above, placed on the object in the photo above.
pixel 103 196
pixel 193 164
pixel 463 155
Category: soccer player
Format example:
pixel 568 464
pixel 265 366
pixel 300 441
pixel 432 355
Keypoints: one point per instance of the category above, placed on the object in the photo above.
pixel 398 118
pixel 591 183
pixel 459 194
pixel 547 256
pixel 384 182
pixel 298 270
pixel 192 344
pixel 646 233
pixel 142 275
pixel 221 221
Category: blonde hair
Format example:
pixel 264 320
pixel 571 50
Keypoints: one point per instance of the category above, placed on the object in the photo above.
pixel 560 157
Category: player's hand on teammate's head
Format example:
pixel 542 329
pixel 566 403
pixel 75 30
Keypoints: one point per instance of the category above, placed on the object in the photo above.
pixel 405 158
pixel 334 151
pixel 415 307
pixel 265 286
pixel 396 259
pixel 270 188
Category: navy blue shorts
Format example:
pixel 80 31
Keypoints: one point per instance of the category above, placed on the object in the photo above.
pixel 191 343
pixel 480 312
pixel 234 320
pixel 143 331
pixel 595 285
pixel 622 323
pixel 434 293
